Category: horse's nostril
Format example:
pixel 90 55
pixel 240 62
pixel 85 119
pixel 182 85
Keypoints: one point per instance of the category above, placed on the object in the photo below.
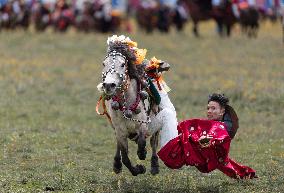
pixel 109 86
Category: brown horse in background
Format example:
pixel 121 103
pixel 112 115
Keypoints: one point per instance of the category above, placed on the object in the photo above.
pixel 249 21
pixel 147 18
pixel 159 17
pixel 202 10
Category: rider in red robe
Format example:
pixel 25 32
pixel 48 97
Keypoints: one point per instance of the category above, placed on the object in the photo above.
pixel 205 144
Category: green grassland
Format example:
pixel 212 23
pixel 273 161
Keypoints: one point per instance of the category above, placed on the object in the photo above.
pixel 53 140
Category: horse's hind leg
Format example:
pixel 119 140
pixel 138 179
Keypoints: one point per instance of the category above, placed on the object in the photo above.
pixel 195 29
pixel 123 146
pixel 154 158
pixel 141 152
pixel 228 28
pixel 220 25
pixel 255 30
pixel 117 165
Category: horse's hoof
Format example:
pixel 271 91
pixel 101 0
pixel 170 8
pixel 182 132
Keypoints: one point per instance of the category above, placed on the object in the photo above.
pixel 155 170
pixel 116 170
pixel 141 169
pixel 138 169
pixel 117 167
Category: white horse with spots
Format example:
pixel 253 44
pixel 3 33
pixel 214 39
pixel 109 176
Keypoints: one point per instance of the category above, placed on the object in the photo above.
pixel 125 100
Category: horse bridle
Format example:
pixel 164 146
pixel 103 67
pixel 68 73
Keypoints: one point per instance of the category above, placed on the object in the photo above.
pixel 124 83
pixel 124 76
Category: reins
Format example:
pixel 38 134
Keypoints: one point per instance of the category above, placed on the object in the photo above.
pixel 104 108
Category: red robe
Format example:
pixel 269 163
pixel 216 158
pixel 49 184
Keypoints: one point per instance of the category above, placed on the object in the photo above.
pixel 185 149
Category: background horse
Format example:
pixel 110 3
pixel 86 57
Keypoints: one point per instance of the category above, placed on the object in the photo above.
pixel 84 18
pixel 147 18
pixel 202 10
pixel 41 16
pixel 125 105
pixel 249 21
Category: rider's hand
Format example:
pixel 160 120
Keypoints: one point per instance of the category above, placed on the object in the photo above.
pixel 155 108
pixel 204 141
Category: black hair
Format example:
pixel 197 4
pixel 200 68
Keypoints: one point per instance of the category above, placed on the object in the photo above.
pixel 219 98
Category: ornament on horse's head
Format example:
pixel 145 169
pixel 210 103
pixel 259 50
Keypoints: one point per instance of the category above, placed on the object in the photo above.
pixel 115 65
pixel 140 55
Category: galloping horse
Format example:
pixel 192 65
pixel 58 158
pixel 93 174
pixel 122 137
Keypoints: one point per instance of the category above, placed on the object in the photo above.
pixel 202 10
pixel 123 88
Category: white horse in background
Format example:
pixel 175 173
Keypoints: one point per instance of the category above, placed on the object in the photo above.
pixel 124 91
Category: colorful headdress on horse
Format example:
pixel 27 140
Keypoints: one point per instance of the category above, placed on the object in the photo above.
pixel 153 64
pixel 152 72
pixel 140 54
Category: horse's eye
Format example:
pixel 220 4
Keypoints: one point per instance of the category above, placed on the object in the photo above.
pixel 104 64
pixel 123 64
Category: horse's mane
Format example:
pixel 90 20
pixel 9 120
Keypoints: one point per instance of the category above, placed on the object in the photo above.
pixel 134 71
pixel 122 48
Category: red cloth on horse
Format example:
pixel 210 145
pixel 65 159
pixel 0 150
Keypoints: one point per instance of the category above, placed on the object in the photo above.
pixel 185 149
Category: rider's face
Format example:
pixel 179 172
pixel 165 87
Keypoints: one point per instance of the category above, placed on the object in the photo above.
pixel 215 111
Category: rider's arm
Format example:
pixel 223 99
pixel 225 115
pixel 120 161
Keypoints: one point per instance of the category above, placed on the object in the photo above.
pixel 154 92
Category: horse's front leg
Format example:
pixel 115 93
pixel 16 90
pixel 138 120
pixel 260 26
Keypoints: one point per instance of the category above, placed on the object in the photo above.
pixel 141 152
pixel 220 24
pixel 123 146
pixel 117 165
pixel 229 27
pixel 154 158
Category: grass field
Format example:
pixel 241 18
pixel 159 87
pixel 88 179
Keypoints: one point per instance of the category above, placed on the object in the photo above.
pixel 52 140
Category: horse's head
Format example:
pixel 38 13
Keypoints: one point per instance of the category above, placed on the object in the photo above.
pixel 120 64
pixel 114 74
